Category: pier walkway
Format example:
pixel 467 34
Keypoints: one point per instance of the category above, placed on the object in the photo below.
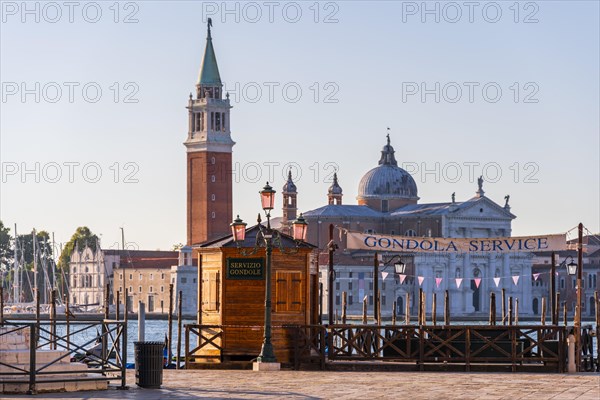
pixel 218 384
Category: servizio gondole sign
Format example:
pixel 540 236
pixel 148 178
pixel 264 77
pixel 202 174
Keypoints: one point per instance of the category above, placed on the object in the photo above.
pixel 363 241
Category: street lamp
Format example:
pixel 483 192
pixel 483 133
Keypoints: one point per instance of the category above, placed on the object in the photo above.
pixel 399 267
pixel 267 236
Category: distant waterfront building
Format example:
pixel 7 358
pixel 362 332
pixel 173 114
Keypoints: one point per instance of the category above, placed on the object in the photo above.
pixel 184 277
pixel 146 276
pixel 88 276
pixel 388 203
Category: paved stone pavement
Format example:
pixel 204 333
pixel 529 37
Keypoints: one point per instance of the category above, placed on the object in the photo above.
pixel 202 384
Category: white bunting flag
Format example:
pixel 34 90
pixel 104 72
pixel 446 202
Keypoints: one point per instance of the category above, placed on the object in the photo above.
pixel 477 282
pixel 437 282
pixel 536 276
pixel 516 279
pixel 497 281
pixel 384 275
pixel 458 282
pixel 402 278
pixel 421 279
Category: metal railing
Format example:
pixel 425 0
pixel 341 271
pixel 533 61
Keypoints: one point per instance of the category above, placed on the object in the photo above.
pixel 109 364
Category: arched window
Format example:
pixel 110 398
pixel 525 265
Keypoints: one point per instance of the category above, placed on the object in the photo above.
pixel 457 273
pixel 410 232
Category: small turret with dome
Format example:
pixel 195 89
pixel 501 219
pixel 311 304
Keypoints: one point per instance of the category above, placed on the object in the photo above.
pixel 290 195
pixel 387 186
pixel 334 193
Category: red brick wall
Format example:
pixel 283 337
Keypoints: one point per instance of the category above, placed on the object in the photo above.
pixel 201 226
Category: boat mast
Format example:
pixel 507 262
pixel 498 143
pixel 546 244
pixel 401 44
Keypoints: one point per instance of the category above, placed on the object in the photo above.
pixel 35 271
pixel 16 285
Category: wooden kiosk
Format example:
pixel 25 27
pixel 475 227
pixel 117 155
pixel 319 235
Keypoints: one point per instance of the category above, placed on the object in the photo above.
pixel 231 294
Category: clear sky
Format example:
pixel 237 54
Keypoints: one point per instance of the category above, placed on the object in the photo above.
pixel 509 91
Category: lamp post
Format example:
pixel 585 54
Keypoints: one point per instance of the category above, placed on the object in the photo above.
pixel 399 268
pixel 266 235
pixel 572 270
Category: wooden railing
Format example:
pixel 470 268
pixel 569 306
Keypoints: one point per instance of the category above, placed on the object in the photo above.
pixel 507 347
pixel 512 346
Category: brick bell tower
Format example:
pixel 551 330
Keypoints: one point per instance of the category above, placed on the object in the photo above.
pixel 209 147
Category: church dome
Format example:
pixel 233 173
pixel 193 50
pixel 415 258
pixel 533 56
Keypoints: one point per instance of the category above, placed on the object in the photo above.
pixel 387 180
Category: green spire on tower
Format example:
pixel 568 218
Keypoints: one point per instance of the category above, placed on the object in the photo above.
pixel 209 72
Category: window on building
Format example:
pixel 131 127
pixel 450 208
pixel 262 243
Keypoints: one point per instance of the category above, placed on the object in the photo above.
pixel 131 289
pixel 74 270
pixel 139 289
pixel 130 276
pixel 383 299
pixel 140 277
pixel 384 206
pixel 162 276
pixel 350 300
pixel 151 277
pixel 371 299
pixel 337 286
pixel 121 276
pixel 151 290
pixel 410 232
pixel 349 285
pixel 162 289
pixel 194 280
pixel 337 299
pixel 371 285
pixel 183 280
pixel 173 280
pixel 350 274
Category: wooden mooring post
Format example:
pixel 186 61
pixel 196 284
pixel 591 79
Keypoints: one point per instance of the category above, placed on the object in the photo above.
pixel 1 305
pixel 420 315
pixel 364 314
pixel 407 310
pixel 170 322
pixel 597 299
pixel 517 311
pixel 434 309
pixel 510 310
pixel 53 319
pixel 503 309
pixel 543 320
pixel 37 314
pixel 378 308
pixel 492 319
pixel 394 313
pixel 117 304
pixel 125 305
pixel 67 322
pixel 556 309
pixel 565 313
pixel 446 308
pixel 179 326
pixel 344 306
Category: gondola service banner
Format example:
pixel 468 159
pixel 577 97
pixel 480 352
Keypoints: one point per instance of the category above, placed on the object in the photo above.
pixel 412 244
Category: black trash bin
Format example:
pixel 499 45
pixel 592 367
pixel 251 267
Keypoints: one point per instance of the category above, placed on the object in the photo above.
pixel 148 364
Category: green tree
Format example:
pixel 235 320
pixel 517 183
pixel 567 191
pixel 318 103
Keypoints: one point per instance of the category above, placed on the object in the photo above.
pixel 43 247
pixel 6 253
pixel 82 237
